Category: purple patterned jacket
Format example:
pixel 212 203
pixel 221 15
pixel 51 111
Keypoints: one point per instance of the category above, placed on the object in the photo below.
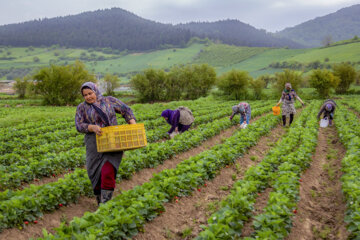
pixel 86 113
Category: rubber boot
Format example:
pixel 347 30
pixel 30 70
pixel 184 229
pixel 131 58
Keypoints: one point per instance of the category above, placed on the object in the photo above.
pixel 291 118
pixel 284 120
pixel 98 199
pixel 106 195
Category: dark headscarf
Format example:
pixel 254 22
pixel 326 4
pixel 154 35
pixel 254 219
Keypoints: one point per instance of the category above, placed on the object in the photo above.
pixel 168 113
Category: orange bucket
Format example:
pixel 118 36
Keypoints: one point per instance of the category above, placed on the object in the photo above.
pixel 276 110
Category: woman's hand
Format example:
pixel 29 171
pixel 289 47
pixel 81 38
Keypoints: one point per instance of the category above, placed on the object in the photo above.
pixel 95 129
pixel 132 121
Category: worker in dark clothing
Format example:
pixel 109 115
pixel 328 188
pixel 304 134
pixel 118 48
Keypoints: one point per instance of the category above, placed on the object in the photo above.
pixel 328 109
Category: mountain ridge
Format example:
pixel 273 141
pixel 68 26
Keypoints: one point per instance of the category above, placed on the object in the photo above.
pixel 119 29
pixel 340 25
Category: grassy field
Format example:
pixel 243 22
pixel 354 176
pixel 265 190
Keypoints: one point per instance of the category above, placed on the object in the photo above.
pixel 341 53
pixel 222 57
pixel 258 64
pixel 136 62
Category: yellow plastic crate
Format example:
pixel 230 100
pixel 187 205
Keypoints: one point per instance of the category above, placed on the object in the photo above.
pixel 121 137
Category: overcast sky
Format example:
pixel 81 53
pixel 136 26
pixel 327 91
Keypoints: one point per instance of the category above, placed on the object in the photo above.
pixel 271 15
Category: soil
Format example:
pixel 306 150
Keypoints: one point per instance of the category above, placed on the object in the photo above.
pixel 52 220
pixel 261 202
pixel 49 221
pixel 182 220
pixel 321 209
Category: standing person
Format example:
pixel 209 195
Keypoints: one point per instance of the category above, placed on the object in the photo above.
pixel 180 119
pixel 91 115
pixel 244 109
pixel 328 108
pixel 288 99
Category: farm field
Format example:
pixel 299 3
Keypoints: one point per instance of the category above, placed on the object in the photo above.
pixel 222 57
pixel 215 181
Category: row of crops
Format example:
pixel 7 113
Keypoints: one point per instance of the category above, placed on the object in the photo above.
pixel 30 151
pixel 31 202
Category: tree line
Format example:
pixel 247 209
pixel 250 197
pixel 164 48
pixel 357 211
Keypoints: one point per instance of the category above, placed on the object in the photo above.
pixel 59 85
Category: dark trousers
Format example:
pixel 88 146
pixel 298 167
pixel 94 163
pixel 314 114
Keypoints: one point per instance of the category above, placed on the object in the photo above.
pixel 284 119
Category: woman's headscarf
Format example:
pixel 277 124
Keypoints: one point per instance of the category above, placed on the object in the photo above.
pixel 287 91
pixel 328 107
pixel 238 109
pixel 93 87
pixel 168 113
pixel 96 106
pixel 235 109
pixel 287 85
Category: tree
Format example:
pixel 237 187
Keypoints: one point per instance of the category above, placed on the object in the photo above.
pixel 267 79
pixel 149 85
pixel 287 76
pixel 357 80
pixel 258 86
pixel 327 41
pixel 323 81
pixel 111 82
pixel 234 83
pixel 198 80
pixel 347 74
pixel 21 85
pixel 60 85
pixel 174 83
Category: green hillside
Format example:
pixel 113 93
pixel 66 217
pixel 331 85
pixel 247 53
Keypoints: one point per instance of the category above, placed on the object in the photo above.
pixel 221 55
pixel 136 62
pixel 17 61
pixel 340 53
pixel 258 64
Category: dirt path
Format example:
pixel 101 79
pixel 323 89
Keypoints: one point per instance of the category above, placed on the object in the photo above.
pixel 67 213
pixel 321 209
pixel 182 220
pixel 260 203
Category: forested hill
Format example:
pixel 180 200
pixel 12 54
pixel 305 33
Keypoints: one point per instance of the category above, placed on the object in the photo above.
pixel 234 32
pixel 341 25
pixel 115 28
pixel 120 29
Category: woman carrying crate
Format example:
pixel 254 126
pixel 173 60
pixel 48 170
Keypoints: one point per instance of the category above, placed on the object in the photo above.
pixel 244 110
pixel 94 113
pixel 179 119
pixel 288 99
pixel 328 109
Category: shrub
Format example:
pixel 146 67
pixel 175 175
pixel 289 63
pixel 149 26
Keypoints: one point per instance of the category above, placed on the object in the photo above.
pixel 234 83
pixel 60 85
pixel 21 85
pixel 149 85
pixel 287 76
pixel 198 79
pixel 323 81
pixel 258 86
pixel 347 74
pixel 111 82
